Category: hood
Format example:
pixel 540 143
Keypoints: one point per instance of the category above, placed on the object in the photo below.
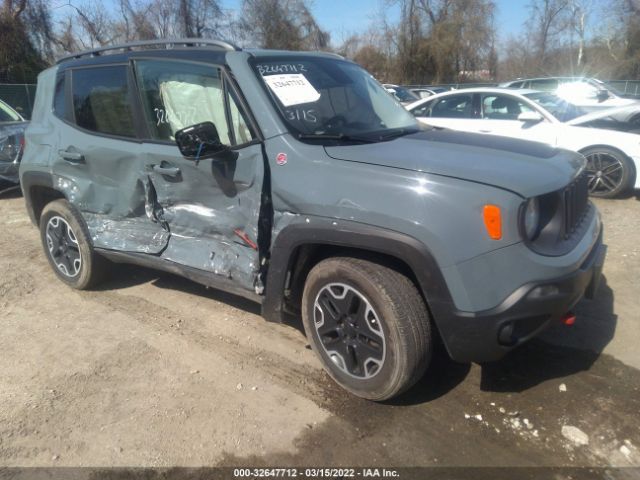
pixel 526 168
pixel 625 111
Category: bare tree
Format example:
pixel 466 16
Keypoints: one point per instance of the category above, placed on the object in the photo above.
pixel 579 11
pixel 547 23
pixel 282 24
pixel 20 61
pixel 13 8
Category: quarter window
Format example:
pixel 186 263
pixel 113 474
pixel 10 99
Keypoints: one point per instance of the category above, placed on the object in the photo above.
pixel 59 100
pixel 101 100
pixel 176 95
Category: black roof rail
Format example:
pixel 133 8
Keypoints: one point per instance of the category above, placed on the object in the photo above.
pixel 185 42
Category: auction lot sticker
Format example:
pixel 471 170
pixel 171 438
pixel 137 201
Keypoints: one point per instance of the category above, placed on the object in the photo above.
pixel 292 89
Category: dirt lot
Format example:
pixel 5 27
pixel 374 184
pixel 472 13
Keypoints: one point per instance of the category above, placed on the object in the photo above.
pixel 153 370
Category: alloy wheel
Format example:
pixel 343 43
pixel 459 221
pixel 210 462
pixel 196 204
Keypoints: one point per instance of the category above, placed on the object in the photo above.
pixel 350 331
pixel 63 246
pixel 605 172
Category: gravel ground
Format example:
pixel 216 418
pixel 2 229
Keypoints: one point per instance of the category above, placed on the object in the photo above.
pixel 153 370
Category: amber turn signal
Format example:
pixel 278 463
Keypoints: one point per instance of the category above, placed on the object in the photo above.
pixel 492 221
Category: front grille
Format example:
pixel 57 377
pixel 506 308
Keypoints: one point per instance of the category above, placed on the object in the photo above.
pixel 575 198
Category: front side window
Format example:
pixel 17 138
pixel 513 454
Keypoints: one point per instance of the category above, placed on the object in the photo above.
pixel 454 106
pixel 502 107
pixel 176 95
pixel 101 100
pixel 422 110
pixel 328 98
pixel 544 84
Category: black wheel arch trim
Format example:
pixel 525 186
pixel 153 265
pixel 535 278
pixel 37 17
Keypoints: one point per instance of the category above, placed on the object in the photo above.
pixel 28 180
pixel 310 230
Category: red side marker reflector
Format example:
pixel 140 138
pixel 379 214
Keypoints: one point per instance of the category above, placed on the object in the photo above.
pixel 569 318
pixel 245 238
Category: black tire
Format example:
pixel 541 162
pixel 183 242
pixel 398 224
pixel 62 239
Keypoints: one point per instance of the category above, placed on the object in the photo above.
pixel 57 220
pixel 397 319
pixel 611 173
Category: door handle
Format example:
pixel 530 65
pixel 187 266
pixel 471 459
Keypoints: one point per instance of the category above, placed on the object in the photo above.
pixel 485 131
pixel 71 157
pixel 169 171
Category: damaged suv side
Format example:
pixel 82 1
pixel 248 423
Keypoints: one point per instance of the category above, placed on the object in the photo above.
pixel 293 179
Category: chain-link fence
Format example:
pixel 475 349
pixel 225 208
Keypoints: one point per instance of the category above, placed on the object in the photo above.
pixel 19 96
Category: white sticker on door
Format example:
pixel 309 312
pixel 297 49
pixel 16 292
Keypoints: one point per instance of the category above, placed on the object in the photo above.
pixel 292 89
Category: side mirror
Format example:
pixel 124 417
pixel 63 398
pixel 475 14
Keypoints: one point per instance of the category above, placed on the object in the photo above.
pixel 602 95
pixel 530 117
pixel 200 141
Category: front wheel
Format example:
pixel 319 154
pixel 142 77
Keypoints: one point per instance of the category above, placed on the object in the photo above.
pixel 368 324
pixel 610 172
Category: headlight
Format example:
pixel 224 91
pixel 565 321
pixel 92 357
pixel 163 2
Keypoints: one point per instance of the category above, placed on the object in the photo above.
pixel 531 219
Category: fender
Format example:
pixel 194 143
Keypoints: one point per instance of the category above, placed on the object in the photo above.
pixel 31 179
pixel 310 230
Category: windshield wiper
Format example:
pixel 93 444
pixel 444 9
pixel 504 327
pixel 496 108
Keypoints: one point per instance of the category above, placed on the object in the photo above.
pixel 398 133
pixel 335 136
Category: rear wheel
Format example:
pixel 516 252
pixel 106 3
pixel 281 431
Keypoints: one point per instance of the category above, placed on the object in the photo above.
pixel 65 239
pixel 610 172
pixel 368 324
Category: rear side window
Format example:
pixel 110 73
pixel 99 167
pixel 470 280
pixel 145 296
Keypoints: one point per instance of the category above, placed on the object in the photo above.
pixel 502 107
pixel 101 100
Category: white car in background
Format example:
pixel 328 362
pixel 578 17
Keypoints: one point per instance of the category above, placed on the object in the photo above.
pixel 590 94
pixel 613 157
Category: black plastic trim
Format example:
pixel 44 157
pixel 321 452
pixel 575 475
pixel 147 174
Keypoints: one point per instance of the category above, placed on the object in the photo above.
pixel 468 336
pixel 200 276
pixel 27 182
pixel 310 230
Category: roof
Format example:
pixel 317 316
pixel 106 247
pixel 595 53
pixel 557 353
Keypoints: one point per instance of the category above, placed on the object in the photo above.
pixel 509 91
pixel 168 47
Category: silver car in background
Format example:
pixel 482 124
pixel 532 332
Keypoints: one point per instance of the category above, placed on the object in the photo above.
pixel 12 127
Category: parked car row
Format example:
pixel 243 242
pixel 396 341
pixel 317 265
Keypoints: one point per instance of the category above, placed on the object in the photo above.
pixel 605 136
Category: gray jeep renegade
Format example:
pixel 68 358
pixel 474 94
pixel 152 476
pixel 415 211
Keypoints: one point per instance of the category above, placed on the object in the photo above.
pixel 295 180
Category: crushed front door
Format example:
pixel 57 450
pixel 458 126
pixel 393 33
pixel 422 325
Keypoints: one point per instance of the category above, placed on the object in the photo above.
pixel 211 207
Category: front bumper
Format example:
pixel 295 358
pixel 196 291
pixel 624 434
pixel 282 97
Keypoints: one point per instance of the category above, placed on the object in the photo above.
pixel 488 335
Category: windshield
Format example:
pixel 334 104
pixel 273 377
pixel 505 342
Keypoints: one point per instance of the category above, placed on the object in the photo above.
pixel 559 108
pixel 8 114
pixel 325 97
pixel 403 95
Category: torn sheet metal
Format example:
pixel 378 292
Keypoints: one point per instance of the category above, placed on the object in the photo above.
pixel 221 257
pixel 212 209
pixel 126 234
pixel 140 229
